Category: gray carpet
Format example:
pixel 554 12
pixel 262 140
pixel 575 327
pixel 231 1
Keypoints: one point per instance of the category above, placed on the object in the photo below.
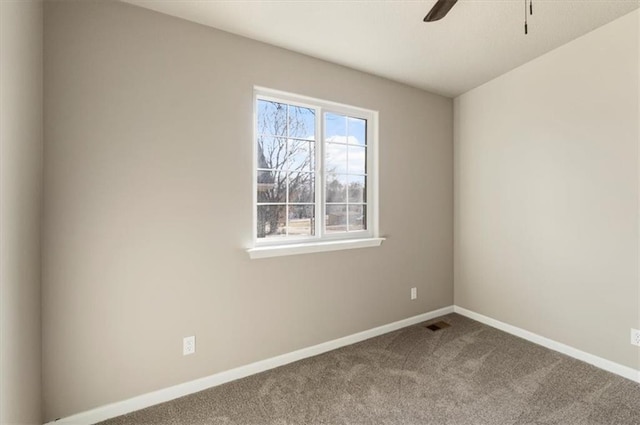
pixel 468 373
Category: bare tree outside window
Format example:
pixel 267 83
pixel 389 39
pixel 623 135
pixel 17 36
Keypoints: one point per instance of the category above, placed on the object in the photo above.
pixel 286 170
pixel 345 164
pixel 312 169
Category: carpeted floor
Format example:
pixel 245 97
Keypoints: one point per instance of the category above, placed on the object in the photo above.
pixel 467 374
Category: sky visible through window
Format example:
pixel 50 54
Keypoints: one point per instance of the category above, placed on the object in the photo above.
pixel 286 138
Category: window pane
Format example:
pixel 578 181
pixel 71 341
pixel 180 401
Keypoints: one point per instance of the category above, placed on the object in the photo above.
pixel 271 221
pixel 357 217
pixel 301 187
pixel 301 161
pixel 271 186
pixel 357 189
pixel 336 219
pixel 336 158
pixel 302 123
pixel 335 128
pixel 357 160
pixel 357 131
pixel 272 118
pixel 301 220
pixel 300 155
pixel 336 188
pixel 272 152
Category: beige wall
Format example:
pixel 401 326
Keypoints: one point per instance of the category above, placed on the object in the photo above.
pixel 546 194
pixel 20 206
pixel 148 207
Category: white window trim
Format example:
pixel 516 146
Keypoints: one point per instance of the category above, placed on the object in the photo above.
pixel 311 247
pixel 320 242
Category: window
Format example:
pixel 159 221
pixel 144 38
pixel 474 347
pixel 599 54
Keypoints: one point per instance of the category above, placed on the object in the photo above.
pixel 314 171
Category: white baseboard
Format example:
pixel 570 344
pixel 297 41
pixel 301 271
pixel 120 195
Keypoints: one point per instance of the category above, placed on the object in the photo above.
pixel 596 361
pixel 150 399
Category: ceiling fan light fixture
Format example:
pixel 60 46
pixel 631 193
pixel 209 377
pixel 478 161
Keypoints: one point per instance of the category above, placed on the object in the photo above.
pixel 439 10
pixel 526 28
pixel 442 7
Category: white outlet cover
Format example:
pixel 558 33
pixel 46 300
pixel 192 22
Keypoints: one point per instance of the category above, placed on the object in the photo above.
pixel 635 337
pixel 414 293
pixel 188 345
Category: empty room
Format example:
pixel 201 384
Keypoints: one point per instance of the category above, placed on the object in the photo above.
pixel 319 212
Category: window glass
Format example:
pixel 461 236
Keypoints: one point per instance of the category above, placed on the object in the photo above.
pixel 312 170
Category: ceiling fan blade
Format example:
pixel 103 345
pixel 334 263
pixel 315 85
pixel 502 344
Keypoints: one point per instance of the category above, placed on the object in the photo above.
pixel 439 10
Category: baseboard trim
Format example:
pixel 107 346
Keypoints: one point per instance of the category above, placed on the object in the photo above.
pixel 113 410
pixel 594 360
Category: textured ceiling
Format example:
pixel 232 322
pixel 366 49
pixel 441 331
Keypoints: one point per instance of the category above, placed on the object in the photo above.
pixel 476 42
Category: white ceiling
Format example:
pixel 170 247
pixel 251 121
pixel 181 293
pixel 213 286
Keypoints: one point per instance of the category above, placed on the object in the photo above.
pixel 476 42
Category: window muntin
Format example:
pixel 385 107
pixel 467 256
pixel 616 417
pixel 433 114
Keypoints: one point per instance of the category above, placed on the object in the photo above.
pixel 286 170
pixel 346 173
pixel 312 173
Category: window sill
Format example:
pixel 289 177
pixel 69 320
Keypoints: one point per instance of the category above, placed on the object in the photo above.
pixel 311 247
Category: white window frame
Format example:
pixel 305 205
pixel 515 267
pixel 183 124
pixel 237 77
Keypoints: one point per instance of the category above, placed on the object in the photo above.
pixel 320 241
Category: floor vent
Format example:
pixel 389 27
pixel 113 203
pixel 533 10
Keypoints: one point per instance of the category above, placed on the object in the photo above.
pixel 437 326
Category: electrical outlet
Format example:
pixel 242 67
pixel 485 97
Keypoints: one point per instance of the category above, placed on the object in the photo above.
pixel 635 337
pixel 414 293
pixel 188 345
